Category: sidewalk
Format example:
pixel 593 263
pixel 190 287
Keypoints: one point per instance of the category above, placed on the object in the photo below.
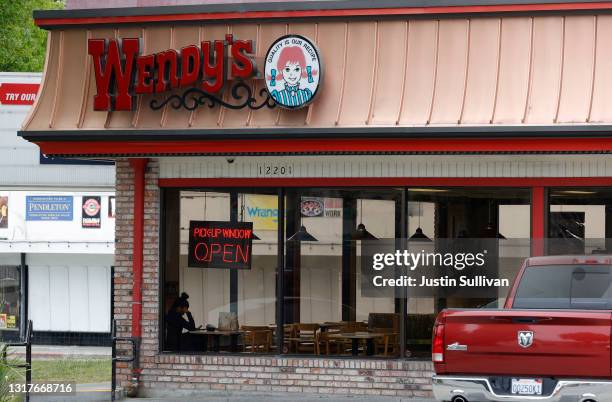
pixel 283 398
pixel 60 352
pixel 100 392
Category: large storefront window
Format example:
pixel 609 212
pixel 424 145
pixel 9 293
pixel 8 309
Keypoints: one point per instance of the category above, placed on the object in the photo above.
pixel 10 299
pixel 579 220
pixel 309 299
pixel 325 311
pixel 236 306
pixel 438 216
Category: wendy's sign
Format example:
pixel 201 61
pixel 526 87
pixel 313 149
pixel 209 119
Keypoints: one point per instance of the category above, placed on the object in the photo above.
pixel 293 71
pixel 122 73
pixel 292 74
pixel 214 244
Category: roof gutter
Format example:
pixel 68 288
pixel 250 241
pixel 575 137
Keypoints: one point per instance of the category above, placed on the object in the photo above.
pixel 50 19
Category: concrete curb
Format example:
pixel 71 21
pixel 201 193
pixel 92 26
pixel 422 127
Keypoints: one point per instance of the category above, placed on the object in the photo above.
pixel 151 395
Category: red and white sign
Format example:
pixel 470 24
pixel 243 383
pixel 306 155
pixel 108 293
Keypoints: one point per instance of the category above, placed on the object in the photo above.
pixel 18 94
pixel 122 72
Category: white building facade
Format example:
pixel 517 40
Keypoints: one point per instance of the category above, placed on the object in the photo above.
pixel 57 231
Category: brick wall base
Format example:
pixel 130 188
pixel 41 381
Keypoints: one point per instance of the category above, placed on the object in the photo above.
pixel 407 378
pixel 163 373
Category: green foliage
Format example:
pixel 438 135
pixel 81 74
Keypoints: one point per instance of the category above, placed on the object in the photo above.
pixel 8 375
pixel 23 44
pixel 81 371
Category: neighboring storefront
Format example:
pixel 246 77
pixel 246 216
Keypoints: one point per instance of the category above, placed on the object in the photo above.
pixel 55 266
pixel 258 146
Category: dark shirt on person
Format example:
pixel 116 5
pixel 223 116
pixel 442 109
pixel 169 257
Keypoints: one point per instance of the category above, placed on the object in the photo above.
pixel 175 323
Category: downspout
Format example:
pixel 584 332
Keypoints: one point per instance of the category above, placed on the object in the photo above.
pixel 138 165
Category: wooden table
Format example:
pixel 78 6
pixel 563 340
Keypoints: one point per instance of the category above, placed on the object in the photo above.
pixel 355 337
pixel 216 335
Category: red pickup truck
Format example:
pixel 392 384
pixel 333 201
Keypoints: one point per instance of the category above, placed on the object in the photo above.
pixel 550 342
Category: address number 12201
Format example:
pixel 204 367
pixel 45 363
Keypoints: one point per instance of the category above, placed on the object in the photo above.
pixel 266 169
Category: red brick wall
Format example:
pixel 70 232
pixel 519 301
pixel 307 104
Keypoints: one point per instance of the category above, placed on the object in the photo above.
pixel 226 373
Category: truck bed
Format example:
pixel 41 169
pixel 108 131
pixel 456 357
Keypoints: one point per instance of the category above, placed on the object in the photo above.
pixel 515 342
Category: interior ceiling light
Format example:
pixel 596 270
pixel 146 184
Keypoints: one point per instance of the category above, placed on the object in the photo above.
pixel 302 235
pixel 578 192
pixel 418 233
pixel 362 233
pixel 490 229
pixel 428 190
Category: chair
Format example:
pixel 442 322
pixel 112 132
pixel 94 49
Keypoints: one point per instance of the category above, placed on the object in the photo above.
pixel 387 324
pixel 257 338
pixel 383 320
pixel 356 326
pixel 304 337
pixel 388 344
pixel 328 339
pixel 344 345
pixel 288 335
pixel 332 325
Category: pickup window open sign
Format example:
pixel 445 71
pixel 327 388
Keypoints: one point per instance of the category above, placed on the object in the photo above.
pixel 526 386
pixel 215 244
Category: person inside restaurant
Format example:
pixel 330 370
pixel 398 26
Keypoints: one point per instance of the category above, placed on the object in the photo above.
pixel 176 325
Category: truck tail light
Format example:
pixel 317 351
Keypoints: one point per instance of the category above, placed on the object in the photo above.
pixel 592 260
pixel 437 350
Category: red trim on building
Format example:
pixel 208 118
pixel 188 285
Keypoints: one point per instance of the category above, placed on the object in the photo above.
pixel 391 181
pixel 538 219
pixel 587 144
pixel 139 166
pixel 511 8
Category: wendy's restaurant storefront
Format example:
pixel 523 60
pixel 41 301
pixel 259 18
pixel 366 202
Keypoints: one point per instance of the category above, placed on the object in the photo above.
pixel 261 147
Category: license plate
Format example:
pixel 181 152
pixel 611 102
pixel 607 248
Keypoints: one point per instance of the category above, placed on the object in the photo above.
pixel 526 387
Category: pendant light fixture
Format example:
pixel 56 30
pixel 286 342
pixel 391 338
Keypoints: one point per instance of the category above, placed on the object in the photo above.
pixel 302 234
pixel 362 233
pixel 254 236
pixel 418 233
pixel 490 229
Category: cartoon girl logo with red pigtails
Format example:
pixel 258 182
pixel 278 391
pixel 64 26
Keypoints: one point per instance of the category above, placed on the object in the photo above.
pixel 293 71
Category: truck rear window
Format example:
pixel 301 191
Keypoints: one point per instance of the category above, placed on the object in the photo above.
pixel 565 287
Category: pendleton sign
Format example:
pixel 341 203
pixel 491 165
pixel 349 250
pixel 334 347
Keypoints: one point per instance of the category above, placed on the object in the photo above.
pixel 292 72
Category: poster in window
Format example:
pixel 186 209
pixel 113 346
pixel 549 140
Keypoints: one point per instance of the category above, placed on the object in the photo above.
pixel 91 212
pixel 4 210
pixel 220 244
pixel 312 207
pixel 111 207
pixel 48 208
pixel 262 210
pixel 319 207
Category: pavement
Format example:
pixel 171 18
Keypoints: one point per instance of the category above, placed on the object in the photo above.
pixel 284 398
pixel 63 352
pixel 84 392
pixel 100 393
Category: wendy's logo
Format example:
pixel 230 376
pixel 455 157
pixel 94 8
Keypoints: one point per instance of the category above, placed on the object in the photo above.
pixel 293 71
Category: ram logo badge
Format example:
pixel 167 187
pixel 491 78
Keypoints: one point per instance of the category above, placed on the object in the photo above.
pixel 457 347
pixel 525 339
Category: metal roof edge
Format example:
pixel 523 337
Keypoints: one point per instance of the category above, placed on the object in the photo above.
pixel 506 131
pixel 315 5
